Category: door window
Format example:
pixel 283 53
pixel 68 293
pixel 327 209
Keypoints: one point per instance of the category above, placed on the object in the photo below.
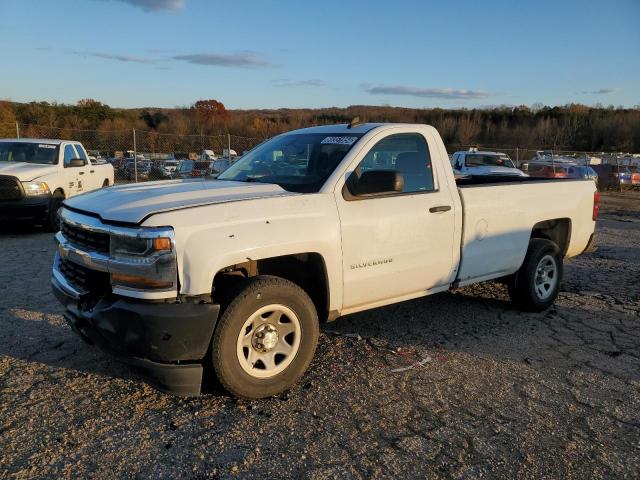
pixel 405 153
pixel 81 153
pixel 69 154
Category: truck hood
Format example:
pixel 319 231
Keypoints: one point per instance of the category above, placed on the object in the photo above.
pixel 26 171
pixel 134 202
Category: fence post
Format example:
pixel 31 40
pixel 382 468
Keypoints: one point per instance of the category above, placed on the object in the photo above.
pixel 619 179
pixel 229 147
pixel 17 130
pixel 135 157
pixel 517 157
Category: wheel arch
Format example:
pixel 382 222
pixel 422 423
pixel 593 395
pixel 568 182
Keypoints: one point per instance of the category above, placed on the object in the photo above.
pixel 308 270
pixel 61 190
pixel 558 230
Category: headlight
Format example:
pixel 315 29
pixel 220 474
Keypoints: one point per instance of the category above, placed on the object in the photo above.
pixel 121 246
pixel 145 262
pixel 35 188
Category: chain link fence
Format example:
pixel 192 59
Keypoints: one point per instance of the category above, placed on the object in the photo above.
pixel 142 155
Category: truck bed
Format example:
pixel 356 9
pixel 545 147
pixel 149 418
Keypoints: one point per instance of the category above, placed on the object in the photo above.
pixel 497 222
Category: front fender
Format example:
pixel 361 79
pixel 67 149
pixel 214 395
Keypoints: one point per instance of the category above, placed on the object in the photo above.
pixel 211 238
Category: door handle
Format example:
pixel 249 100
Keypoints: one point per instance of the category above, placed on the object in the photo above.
pixel 440 209
pixel 80 173
pixel 91 171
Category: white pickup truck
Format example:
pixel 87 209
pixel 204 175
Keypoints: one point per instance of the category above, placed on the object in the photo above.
pixel 313 224
pixel 36 175
pixel 474 162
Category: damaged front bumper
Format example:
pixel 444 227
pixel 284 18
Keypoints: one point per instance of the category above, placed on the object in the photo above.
pixel 167 341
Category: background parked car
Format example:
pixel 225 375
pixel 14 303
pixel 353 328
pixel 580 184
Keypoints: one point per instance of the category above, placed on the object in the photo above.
pixel 218 167
pixel 582 171
pixel 143 170
pixel 546 170
pixel 192 168
pixel 164 170
pixel 608 176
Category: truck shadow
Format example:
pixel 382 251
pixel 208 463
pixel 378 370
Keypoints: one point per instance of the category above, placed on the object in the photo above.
pixel 22 228
pixel 476 320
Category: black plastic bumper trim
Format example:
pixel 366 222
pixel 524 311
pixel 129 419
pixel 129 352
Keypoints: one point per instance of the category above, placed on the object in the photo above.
pixel 167 341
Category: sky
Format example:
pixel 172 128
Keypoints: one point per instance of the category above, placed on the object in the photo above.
pixel 295 54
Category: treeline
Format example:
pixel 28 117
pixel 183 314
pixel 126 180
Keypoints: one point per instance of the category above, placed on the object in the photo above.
pixel 568 127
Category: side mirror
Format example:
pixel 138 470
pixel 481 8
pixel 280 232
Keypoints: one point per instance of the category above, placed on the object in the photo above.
pixel 372 182
pixel 77 162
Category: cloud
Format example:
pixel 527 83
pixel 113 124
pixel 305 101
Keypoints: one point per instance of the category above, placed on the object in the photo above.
pixel 285 82
pixel 157 5
pixel 239 60
pixel 447 93
pixel 119 58
pixel 602 91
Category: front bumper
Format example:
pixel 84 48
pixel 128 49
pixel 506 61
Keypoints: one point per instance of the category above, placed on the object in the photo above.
pixel 168 341
pixel 27 208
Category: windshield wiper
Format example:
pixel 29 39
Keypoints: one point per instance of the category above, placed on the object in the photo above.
pixel 254 180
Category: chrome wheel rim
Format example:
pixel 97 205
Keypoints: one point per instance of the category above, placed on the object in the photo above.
pixel 546 277
pixel 269 341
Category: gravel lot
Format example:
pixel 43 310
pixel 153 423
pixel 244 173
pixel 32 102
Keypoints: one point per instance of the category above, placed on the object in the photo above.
pixel 494 393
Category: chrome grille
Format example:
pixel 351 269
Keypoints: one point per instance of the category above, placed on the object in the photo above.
pixel 90 281
pixel 86 239
pixel 10 188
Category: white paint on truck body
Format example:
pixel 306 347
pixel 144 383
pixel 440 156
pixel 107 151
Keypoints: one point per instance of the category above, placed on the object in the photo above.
pixel 376 251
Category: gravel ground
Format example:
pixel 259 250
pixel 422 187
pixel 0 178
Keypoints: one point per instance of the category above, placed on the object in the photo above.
pixel 493 392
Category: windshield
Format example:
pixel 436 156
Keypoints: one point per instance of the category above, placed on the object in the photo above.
pixel 481 160
pixel 41 153
pixel 296 162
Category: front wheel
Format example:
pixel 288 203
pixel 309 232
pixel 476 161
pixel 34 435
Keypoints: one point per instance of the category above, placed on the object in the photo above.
pixel 52 221
pixel 536 285
pixel 265 339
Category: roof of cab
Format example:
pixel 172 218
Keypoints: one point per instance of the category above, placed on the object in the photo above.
pixel 37 140
pixel 341 128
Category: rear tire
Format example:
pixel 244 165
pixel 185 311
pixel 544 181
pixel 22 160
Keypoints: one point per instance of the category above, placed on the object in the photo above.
pixel 535 286
pixel 265 339
pixel 105 183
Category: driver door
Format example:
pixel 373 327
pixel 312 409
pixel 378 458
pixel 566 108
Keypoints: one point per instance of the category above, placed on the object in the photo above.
pixel 73 179
pixel 398 244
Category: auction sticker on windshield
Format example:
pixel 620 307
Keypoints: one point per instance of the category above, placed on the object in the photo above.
pixel 340 140
pixel 45 145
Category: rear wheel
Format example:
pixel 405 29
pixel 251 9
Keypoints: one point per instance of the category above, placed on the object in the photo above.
pixel 536 285
pixel 265 338
pixel 105 183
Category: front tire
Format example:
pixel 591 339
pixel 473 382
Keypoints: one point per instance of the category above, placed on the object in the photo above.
pixel 535 286
pixel 52 221
pixel 265 339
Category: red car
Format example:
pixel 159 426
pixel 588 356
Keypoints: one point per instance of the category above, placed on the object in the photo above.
pixel 547 171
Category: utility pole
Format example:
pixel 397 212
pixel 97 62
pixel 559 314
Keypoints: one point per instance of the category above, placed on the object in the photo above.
pixel 17 130
pixel 135 157
pixel 229 147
